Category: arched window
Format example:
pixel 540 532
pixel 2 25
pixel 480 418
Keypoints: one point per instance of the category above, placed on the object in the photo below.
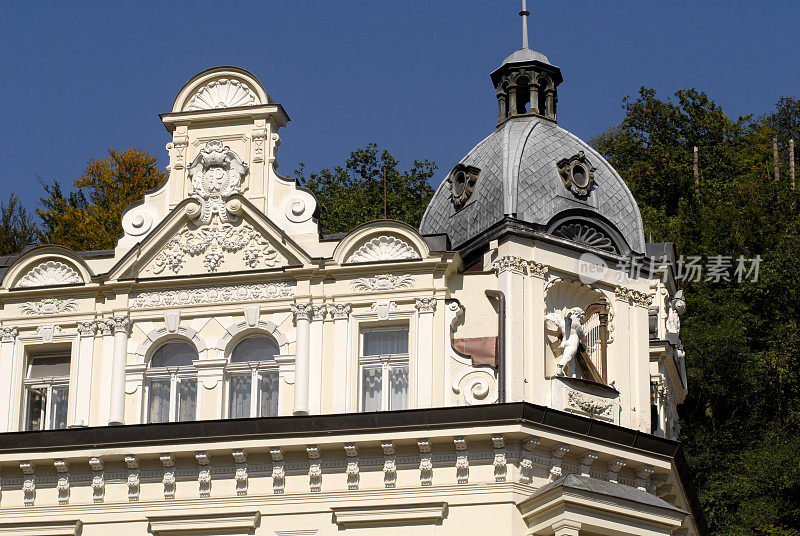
pixel 172 383
pixel 253 378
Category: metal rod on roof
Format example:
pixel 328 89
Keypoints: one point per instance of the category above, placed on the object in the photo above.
pixel 775 162
pixel 524 14
pixel 385 204
pixel 791 161
pixel 696 167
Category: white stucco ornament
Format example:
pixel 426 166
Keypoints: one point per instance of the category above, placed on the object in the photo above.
pixel 222 93
pixel 50 273
pixel 384 248
pixel 570 327
pixel 216 174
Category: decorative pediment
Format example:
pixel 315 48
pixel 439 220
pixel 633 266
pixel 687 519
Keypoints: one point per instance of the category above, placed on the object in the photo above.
pixel 383 248
pixel 222 93
pixel 48 274
pixel 213 248
pixel 181 246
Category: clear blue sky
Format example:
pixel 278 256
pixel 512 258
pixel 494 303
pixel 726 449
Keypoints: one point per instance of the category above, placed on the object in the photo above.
pixel 411 75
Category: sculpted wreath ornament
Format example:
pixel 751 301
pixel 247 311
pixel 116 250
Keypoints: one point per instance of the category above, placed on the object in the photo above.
pixel 213 242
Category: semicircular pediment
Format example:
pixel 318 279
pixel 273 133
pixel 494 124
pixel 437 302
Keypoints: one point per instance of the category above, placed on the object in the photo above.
pixel 48 274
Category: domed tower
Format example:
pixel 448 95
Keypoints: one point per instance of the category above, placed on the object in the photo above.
pixel 529 172
pixel 546 213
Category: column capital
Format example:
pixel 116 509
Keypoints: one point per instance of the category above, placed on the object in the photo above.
pixel 87 329
pixel 637 297
pixel 119 323
pixel 537 269
pixel 425 305
pixel 8 334
pixel 509 262
pixel 302 311
pixel 340 310
pixel 319 311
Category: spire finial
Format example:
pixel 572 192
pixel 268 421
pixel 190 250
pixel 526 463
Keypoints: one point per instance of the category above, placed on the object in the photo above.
pixel 524 14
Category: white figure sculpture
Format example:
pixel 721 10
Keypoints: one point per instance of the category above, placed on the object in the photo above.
pixel 570 327
pixel 675 309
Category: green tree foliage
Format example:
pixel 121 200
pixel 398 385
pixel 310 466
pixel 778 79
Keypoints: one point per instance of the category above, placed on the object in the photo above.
pixel 741 421
pixel 352 194
pixel 17 230
pixel 91 217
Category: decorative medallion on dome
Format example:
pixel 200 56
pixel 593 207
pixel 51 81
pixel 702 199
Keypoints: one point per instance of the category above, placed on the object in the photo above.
pixel 462 183
pixel 216 174
pixel 383 248
pixel 586 235
pixel 49 274
pixel 222 93
pixel 577 174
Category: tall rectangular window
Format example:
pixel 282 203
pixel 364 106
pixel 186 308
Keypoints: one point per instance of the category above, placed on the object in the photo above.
pixel 46 392
pixel 383 366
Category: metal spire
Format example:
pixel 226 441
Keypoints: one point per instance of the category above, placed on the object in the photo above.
pixel 524 14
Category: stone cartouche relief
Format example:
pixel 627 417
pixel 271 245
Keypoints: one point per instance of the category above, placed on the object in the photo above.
pixel 49 306
pixel 49 274
pixel 383 282
pixel 216 173
pixel 591 405
pixel 197 296
pixel 216 243
pixel 383 248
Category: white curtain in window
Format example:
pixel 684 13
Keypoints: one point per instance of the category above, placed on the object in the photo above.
pixel 174 354
pixel 371 389
pixel 187 403
pixel 269 394
pixel 58 408
pixel 398 382
pixel 159 401
pixel 386 341
pixel 255 349
pixel 240 396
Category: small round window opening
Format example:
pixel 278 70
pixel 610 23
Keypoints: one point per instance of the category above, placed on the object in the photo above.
pixel 462 183
pixel 577 174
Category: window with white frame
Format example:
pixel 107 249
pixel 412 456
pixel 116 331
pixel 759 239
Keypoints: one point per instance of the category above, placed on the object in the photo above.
pixel 172 383
pixel 253 378
pixel 383 367
pixel 46 392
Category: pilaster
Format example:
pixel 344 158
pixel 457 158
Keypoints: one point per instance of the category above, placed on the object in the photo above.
pixel 83 374
pixel 341 351
pixel 8 340
pixel 424 355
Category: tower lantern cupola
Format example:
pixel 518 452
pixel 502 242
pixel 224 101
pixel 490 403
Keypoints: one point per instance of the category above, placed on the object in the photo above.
pixel 526 82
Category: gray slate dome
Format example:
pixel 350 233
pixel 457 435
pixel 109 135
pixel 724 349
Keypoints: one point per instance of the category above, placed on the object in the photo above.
pixel 520 177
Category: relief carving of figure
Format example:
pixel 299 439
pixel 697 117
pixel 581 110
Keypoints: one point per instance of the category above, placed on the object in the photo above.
pixel 569 326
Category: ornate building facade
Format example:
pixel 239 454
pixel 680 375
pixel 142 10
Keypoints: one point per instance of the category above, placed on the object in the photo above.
pixel 511 367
